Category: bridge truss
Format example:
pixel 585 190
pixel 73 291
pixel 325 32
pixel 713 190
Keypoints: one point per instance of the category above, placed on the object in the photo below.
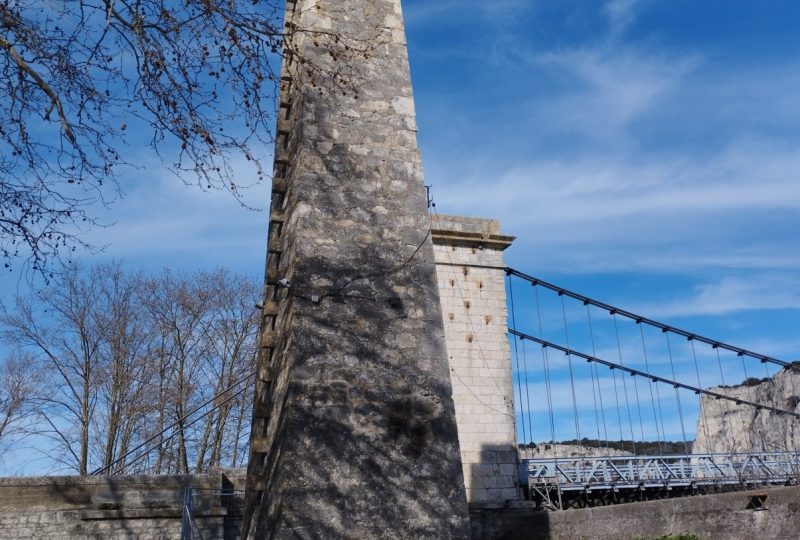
pixel 628 401
pixel 560 483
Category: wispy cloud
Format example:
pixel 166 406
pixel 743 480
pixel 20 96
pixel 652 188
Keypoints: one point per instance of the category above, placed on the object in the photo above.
pixel 165 222
pixel 614 214
pixel 733 294
pixel 607 87
pixel 621 14
pixel 450 12
pixel 626 155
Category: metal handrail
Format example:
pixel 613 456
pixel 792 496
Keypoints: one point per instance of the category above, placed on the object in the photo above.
pixel 189 528
pixel 581 472
pixel 187 522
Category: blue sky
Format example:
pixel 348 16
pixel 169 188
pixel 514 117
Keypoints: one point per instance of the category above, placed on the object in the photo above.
pixel 644 152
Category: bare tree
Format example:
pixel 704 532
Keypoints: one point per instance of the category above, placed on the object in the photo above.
pixel 178 307
pixel 79 80
pixel 124 356
pixel 125 371
pixel 208 326
pixel 59 325
pixel 234 323
pixel 77 77
pixel 18 380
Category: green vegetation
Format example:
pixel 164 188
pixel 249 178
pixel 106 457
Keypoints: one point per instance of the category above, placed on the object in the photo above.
pixel 750 381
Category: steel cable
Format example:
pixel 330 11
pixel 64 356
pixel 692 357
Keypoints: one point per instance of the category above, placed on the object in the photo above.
pixel 516 356
pixel 660 434
pixel 596 391
pixel 571 376
pixel 546 365
pixel 703 419
pixel 625 390
pixel 677 396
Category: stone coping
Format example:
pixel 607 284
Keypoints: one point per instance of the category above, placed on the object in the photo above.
pixel 127 480
pixel 469 232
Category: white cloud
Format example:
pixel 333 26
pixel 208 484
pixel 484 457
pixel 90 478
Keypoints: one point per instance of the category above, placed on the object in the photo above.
pixel 162 221
pixel 665 214
pixel 621 14
pixel 579 173
pixel 733 294
pixel 610 88
pixel 607 84
pixel 444 12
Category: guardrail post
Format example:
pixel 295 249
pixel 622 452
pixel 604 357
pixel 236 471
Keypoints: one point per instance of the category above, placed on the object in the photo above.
pixel 186 514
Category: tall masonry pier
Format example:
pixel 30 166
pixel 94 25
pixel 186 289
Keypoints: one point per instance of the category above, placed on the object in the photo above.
pixel 471 272
pixel 354 431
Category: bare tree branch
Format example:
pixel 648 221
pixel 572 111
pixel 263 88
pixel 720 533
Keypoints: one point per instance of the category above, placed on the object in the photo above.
pixel 123 355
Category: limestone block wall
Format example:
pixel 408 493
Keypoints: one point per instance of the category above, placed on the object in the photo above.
pixel 724 516
pixel 130 507
pixel 354 432
pixel 469 269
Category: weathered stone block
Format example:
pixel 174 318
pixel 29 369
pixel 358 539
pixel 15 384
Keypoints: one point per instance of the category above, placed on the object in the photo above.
pixel 470 265
pixel 362 439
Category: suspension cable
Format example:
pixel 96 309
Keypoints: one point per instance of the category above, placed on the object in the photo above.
pixel 652 397
pixel 650 322
pixel 524 367
pixel 625 390
pixel 516 357
pixel 759 432
pixel 176 423
pixel 769 378
pixel 619 411
pixel 703 419
pixel 598 392
pixel 546 365
pixel 635 383
pixel 654 378
pixel 614 382
pixel 677 396
pixel 766 370
pixel 527 390
pixel 729 405
pixel 571 377
pixel 175 433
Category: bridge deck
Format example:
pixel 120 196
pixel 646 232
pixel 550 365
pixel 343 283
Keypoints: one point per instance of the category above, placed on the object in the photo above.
pixel 552 479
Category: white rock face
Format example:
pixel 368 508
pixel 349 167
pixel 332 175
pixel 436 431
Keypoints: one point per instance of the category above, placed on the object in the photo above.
pixel 724 426
pixel 547 450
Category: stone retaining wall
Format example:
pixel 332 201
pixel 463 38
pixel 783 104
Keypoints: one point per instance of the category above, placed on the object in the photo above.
pixel 130 507
pixel 709 517
pixel 149 508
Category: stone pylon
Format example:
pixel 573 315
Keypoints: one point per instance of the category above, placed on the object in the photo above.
pixel 354 431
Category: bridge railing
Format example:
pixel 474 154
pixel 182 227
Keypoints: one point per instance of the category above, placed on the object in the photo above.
pixel 621 472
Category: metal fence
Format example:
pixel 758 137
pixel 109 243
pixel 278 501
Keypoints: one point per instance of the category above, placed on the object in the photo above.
pixel 198 502
pixel 550 478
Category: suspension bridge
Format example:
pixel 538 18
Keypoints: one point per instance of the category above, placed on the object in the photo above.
pixel 610 405
pixel 584 368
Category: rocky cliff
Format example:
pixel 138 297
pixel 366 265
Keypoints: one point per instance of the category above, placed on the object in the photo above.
pixel 549 450
pixel 724 426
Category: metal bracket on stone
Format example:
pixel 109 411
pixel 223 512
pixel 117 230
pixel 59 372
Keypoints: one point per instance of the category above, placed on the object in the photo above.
pixel 758 502
pixel 258 445
pixel 269 338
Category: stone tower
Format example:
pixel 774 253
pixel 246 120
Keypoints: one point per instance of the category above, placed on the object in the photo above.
pixel 471 272
pixel 354 432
